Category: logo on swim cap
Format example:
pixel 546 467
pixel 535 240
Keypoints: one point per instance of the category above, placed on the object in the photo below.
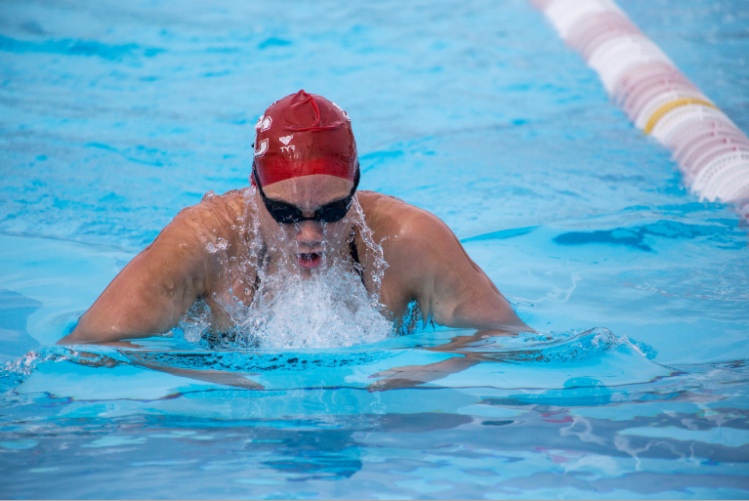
pixel 261 148
pixel 263 123
pixel 323 140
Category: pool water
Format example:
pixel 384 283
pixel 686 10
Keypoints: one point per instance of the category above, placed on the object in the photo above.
pixel 115 115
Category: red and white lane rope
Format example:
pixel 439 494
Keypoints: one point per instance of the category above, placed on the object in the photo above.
pixel 711 151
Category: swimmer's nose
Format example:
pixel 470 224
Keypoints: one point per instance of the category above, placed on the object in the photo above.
pixel 310 234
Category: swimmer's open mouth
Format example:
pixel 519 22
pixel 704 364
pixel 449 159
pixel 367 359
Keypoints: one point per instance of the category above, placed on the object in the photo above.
pixel 309 260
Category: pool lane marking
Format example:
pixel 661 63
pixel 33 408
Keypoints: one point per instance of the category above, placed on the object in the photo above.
pixel 665 104
pixel 671 106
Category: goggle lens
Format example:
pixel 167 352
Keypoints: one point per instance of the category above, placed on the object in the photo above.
pixel 285 213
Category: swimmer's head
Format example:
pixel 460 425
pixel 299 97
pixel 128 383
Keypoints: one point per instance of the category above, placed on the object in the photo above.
pixel 306 171
pixel 303 135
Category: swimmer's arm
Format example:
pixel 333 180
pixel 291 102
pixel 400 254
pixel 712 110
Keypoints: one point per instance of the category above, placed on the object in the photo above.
pixel 448 285
pixel 151 293
pixel 434 269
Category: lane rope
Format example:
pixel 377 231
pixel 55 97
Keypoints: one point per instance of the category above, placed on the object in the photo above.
pixel 669 107
pixel 658 98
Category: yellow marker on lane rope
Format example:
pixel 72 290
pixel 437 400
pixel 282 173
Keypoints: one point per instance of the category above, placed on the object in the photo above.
pixel 670 106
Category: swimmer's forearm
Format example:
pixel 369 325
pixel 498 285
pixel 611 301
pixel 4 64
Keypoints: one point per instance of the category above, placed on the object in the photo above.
pixel 411 376
pixel 105 322
pixel 85 336
pixel 154 290
pixel 111 318
pixel 492 312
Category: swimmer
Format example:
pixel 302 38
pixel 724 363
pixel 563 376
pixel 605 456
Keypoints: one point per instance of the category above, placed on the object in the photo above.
pixel 304 184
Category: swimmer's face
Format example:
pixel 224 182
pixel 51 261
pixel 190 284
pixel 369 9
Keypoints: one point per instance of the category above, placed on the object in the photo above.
pixel 308 243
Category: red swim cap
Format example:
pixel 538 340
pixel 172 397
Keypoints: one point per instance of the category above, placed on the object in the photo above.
pixel 301 135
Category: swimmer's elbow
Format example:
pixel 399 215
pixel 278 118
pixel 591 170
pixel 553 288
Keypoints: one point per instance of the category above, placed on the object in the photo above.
pixel 484 315
pixel 76 337
pixel 82 334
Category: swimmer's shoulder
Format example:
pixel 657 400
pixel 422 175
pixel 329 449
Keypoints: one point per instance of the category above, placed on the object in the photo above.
pixel 216 216
pixel 396 220
pixel 215 212
pixel 377 205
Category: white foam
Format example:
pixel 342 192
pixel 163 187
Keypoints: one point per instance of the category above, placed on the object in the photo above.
pixel 332 308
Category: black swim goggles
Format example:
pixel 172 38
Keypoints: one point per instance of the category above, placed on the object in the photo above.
pixel 285 213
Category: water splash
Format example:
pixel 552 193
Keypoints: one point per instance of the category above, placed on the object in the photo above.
pixel 556 347
pixel 328 310
pixel 221 245
pixel 269 304
pixel 16 371
pixel 529 348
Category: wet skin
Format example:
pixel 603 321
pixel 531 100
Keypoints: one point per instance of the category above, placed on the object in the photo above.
pixel 426 263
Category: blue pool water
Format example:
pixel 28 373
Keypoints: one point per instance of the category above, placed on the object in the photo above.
pixel 115 115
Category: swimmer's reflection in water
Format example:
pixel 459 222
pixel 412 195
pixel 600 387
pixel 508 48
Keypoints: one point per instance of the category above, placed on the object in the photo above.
pixel 307 218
